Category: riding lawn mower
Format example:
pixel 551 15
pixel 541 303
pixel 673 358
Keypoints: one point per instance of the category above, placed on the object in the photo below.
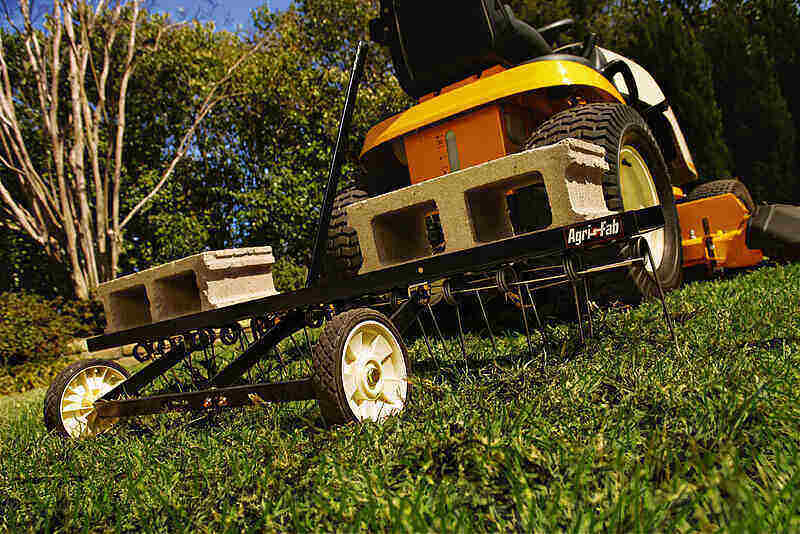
pixel 487 86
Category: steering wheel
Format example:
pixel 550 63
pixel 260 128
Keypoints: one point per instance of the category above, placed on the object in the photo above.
pixel 555 26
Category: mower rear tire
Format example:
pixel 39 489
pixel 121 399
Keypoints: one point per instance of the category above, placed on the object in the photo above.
pixel 343 258
pixel 722 187
pixel 637 178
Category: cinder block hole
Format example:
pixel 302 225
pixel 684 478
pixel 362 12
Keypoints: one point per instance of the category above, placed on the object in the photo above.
pixel 131 306
pixel 402 235
pixel 435 232
pixel 178 295
pixel 491 210
pixel 529 209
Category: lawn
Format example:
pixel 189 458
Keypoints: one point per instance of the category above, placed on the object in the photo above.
pixel 624 434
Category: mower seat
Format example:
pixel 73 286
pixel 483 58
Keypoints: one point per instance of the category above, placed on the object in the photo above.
pixel 435 44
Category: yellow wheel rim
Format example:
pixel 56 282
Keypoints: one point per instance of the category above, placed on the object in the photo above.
pixel 638 191
pixel 374 374
pixel 77 401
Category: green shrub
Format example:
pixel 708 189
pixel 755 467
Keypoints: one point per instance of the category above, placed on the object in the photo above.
pixel 89 315
pixel 32 329
pixel 288 275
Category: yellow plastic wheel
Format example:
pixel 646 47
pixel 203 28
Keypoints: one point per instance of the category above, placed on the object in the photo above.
pixel 69 403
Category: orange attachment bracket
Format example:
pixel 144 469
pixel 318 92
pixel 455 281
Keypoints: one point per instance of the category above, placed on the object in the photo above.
pixel 713 232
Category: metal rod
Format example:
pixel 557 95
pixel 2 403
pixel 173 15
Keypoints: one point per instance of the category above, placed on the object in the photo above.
pixel 544 268
pixel 578 311
pixel 661 296
pixel 544 279
pixel 610 266
pixel 461 339
pixel 486 320
pixel 539 321
pixel 427 341
pixel 588 307
pixel 336 165
pixel 210 399
pixel 525 322
pixel 438 330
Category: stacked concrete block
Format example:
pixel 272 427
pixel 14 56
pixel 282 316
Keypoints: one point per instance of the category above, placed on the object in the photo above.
pixel 190 285
pixel 472 203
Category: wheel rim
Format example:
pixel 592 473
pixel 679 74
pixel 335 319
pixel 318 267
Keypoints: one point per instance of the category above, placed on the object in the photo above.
pixel 77 401
pixel 638 191
pixel 374 374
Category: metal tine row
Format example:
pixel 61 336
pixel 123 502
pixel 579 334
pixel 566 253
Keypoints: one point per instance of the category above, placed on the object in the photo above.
pixel 507 281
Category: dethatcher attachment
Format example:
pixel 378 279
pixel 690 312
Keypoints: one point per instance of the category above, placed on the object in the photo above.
pixel 342 352
pixel 328 341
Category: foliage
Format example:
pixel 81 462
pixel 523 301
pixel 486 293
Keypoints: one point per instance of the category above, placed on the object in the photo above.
pixel 288 275
pixel 26 267
pixel 658 37
pixel 624 435
pixel 32 329
pixel 63 108
pixel 756 119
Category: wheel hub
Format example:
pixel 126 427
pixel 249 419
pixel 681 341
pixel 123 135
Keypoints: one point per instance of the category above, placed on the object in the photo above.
pixel 77 401
pixel 638 191
pixel 373 372
pixel 371 382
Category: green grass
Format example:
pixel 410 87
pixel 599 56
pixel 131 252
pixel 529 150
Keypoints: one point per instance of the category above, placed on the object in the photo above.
pixel 622 435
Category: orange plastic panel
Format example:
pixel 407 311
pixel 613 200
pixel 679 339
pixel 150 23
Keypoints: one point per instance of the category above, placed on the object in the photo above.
pixel 477 138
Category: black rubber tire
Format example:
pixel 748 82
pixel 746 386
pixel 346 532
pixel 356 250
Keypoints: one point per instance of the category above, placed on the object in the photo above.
pixel 611 126
pixel 721 187
pixel 52 399
pixel 327 363
pixel 343 258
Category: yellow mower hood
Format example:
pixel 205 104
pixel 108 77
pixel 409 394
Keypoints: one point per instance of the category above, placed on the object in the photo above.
pixel 487 89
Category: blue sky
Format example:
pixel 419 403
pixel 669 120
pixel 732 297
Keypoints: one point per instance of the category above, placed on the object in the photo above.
pixel 227 15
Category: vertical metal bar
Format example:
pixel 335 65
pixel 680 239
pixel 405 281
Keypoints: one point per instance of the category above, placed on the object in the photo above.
pixel 486 319
pixel 578 311
pixel 438 330
pixel 461 336
pixel 427 342
pixel 525 322
pixel 667 317
pixel 588 307
pixel 336 165
pixel 539 321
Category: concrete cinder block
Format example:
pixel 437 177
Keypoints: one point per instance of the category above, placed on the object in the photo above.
pixel 198 283
pixel 472 202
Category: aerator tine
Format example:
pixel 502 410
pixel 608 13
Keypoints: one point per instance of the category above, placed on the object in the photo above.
pixel 538 320
pixel 486 320
pixel 643 249
pixel 452 300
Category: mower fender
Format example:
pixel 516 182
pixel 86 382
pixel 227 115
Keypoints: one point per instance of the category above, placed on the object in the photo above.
pixel 775 229
pixel 682 166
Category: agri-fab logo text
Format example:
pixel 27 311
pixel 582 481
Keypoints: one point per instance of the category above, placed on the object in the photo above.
pixel 593 232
